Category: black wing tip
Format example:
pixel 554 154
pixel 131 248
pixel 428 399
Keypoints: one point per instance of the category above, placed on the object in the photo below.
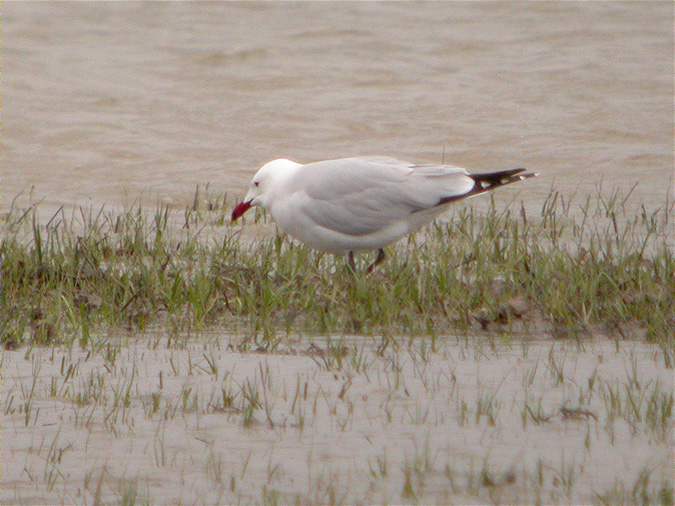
pixel 496 175
pixel 491 181
pixel 527 175
pixel 502 177
pixel 513 172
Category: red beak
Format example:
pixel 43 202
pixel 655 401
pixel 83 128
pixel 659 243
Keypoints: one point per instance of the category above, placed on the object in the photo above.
pixel 241 208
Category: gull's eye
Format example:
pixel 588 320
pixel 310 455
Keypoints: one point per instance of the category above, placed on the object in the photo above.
pixel 256 183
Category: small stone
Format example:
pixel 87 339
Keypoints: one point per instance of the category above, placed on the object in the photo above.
pixel 482 316
pixel 89 300
pixel 518 306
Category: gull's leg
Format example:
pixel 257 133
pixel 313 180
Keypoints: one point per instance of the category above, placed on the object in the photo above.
pixel 350 261
pixel 380 258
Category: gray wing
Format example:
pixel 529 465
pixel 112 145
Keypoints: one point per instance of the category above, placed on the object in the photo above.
pixel 359 196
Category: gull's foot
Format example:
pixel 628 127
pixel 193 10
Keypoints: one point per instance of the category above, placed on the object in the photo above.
pixel 351 262
pixel 380 258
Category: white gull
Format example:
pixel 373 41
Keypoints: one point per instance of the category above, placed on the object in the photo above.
pixel 355 204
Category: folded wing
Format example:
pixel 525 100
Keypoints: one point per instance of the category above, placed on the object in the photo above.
pixel 360 196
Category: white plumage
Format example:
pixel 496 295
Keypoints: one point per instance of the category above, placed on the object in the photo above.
pixel 356 204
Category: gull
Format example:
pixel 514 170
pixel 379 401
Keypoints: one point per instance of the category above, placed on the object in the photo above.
pixel 358 204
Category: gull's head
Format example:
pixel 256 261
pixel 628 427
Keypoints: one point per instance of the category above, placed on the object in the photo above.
pixel 262 186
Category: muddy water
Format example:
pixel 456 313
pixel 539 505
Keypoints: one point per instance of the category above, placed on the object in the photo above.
pixel 106 102
pixel 103 103
pixel 472 422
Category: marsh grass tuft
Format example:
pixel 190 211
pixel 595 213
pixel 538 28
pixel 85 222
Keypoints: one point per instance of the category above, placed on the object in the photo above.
pixel 569 271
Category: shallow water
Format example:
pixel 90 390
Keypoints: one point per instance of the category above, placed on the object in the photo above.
pixel 106 102
pixel 103 103
pixel 400 423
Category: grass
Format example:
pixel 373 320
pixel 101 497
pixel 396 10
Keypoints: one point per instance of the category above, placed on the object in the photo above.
pixel 639 493
pixel 571 270
pixel 258 413
pixel 419 423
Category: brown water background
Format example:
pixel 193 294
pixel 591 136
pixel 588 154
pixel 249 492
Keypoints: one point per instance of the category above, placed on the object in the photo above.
pixel 106 102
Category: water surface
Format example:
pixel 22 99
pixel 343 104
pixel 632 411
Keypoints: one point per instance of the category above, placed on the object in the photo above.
pixel 106 102
pixel 458 420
